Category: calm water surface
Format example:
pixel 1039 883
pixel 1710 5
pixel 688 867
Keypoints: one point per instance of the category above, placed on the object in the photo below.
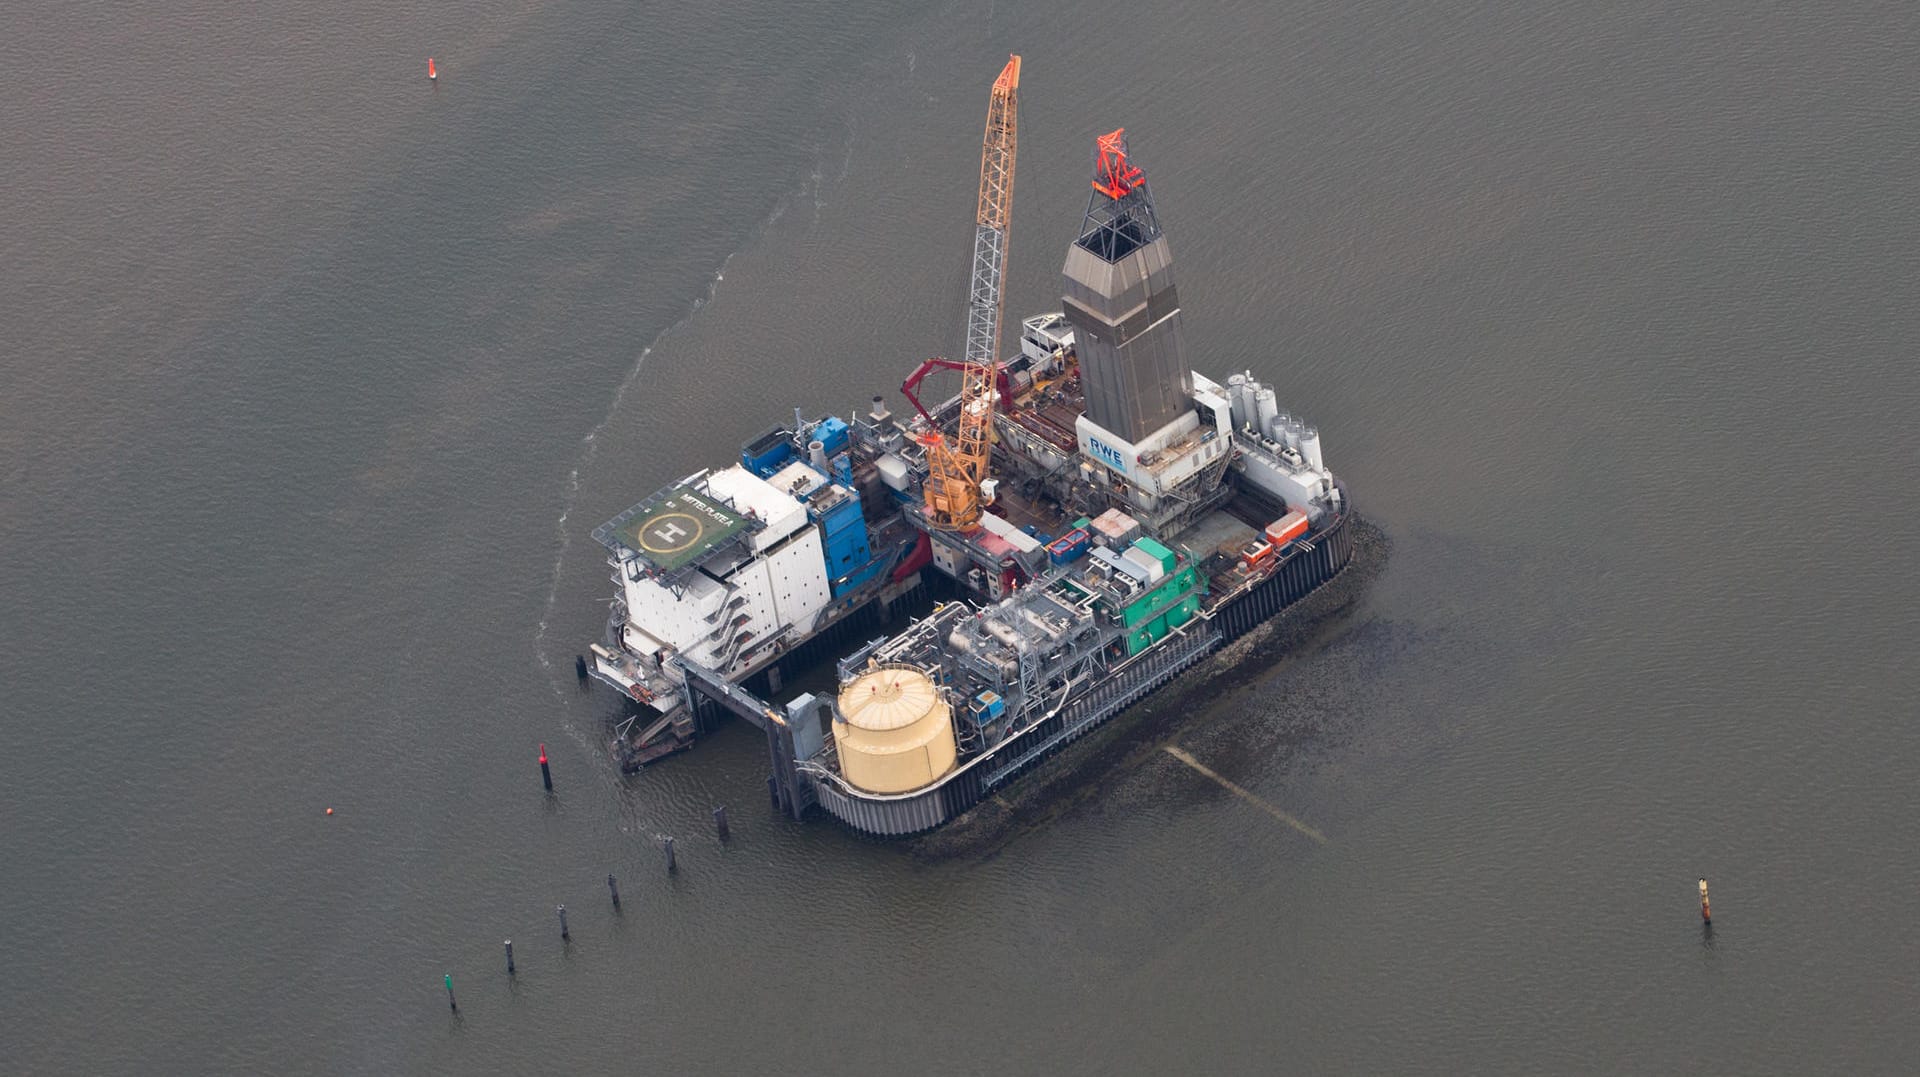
pixel 316 377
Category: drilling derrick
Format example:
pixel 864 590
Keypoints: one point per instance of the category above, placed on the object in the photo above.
pixel 1122 304
pixel 957 467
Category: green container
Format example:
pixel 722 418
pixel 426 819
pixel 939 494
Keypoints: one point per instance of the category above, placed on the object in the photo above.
pixel 1182 613
pixel 1139 640
pixel 1156 601
pixel 1146 606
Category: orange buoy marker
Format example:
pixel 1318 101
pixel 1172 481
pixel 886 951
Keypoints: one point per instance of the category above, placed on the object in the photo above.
pixel 432 75
pixel 1706 910
pixel 546 776
pixel 329 811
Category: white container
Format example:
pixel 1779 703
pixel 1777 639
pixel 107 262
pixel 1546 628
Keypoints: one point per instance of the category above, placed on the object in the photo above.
pixel 1155 570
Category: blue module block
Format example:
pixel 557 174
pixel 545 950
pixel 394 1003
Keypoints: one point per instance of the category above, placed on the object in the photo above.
pixel 831 432
pixel 987 706
pixel 843 533
pixel 858 578
pixel 767 453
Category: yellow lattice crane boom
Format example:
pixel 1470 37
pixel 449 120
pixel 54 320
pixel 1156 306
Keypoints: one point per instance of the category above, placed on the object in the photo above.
pixel 957 467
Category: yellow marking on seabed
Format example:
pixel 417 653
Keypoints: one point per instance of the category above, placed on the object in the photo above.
pixel 1230 787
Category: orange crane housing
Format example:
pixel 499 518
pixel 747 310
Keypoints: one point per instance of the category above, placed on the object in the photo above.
pixel 957 467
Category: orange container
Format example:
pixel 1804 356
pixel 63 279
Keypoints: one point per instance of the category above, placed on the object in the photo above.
pixel 1287 528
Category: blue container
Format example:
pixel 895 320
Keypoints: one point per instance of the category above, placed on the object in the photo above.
pixel 1069 547
pixel 987 706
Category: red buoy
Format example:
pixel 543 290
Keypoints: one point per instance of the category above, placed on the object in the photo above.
pixel 432 75
pixel 546 776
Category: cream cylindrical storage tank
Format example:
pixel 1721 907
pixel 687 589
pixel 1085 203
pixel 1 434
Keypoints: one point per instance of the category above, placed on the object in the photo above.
pixel 1277 429
pixel 893 730
pixel 1293 434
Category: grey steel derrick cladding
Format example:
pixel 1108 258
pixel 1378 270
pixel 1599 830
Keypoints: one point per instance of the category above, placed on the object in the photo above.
pixel 1125 314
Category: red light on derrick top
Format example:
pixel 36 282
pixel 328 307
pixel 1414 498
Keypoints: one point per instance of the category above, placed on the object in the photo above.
pixel 1113 175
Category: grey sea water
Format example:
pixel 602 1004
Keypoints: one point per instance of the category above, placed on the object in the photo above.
pixel 314 378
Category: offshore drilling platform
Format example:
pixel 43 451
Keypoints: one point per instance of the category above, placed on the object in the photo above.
pixel 1095 516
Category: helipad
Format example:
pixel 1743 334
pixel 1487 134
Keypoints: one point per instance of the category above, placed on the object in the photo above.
pixel 675 528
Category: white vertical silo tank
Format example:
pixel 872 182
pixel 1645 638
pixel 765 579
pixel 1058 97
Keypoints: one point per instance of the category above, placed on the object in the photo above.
pixel 1277 429
pixel 1237 400
pixel 1269 408
pixel 893 731
pixel 817 455
pixel 1294 426
pixel 1310 446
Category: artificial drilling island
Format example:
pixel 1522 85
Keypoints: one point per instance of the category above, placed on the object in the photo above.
pixel 1086 518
